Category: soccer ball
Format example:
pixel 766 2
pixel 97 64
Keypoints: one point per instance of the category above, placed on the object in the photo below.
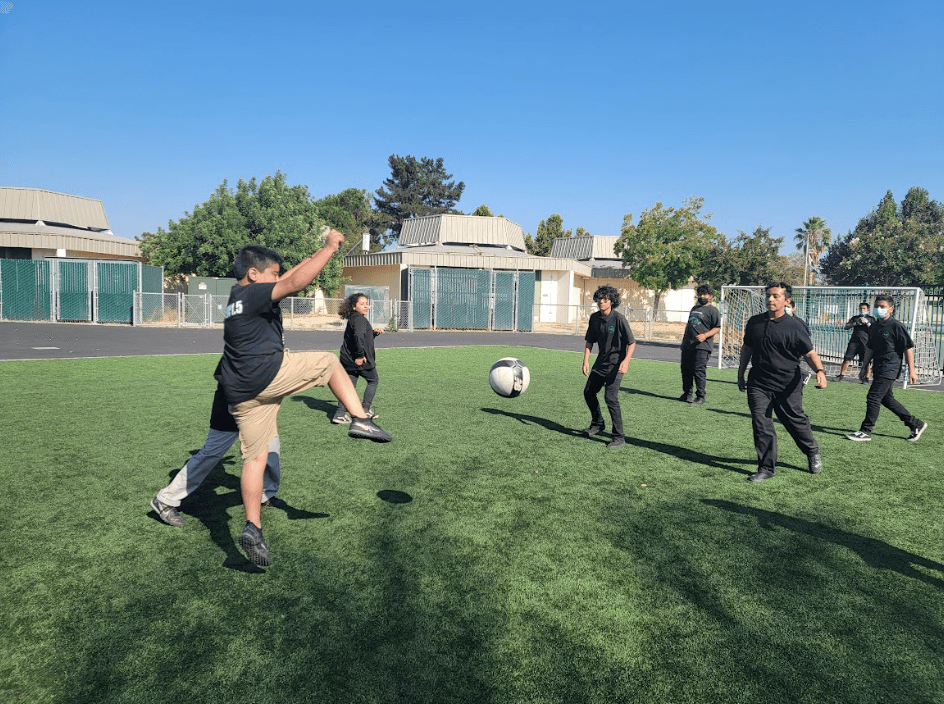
pixel 509 377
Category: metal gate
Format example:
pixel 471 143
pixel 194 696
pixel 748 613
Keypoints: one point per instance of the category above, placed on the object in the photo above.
pixel 74 294
pixel 117 282
pixel 421 292
pixel 25 291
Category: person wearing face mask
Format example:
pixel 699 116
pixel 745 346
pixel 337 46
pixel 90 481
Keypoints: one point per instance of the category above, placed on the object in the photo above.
pixel 890 344
pixel 704 322
pixel 774 342
pixel 858 347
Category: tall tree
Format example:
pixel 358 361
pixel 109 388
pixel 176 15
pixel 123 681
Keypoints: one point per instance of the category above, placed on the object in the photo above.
pixel 415 188
pixel 666 248
pixel 350 212
pixel 892 245
pixel 758 258
pixel 548 231
pixel 270 213
pixel 483 212
pixel 813 238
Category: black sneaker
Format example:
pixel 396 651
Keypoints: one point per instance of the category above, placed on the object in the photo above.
pixel 616 443
pixel 366 428
pixel 252 542
pixel 685 398
pixel 916 432
pixel 839 377
pixel 170 514
pixel 815 463
pixel 699 401
pixel 371 414
pixel 592 430
pixel 761 474
pixel 276 502
pixel 341 419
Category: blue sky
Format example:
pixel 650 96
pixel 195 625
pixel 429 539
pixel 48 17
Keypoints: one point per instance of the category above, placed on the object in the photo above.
pixel 772 112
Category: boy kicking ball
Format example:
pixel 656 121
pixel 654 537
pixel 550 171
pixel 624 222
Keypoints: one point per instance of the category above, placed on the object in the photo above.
pixel 257 372
pixel 889 342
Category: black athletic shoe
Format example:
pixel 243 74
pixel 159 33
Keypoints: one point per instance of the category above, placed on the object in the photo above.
pixel 685 398
pixel 171 514
pixel 859 436
pixel 252 542
pixel 761 474
pixel 815 463
pixel 700 401
pixel 276 502
pixel 916 432
pixel 366 428
pixel 616 443
pixel 592 430
pixel 839 377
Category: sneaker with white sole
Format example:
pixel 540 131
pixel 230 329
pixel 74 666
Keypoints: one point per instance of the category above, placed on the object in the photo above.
pixel 373 415
pixel 916 432
pixel 366 428
pixel 859 436
pixel 252 542
pixel 167 513
pixel 341 420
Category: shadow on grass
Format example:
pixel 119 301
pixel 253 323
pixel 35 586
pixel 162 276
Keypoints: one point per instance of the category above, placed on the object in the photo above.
pixel 875 553
pixel 536 420
pixel 318 404
pixel 728 597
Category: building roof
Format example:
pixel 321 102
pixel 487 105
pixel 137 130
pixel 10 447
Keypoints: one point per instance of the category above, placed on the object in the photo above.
pixel 462 229
pixel 589 247
pixel 466 257
pixel 38 219
pixel 50 207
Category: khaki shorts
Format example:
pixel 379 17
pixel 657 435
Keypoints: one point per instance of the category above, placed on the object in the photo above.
pixel 256 417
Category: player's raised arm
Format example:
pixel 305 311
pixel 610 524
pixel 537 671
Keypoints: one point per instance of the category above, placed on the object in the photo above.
pixel 302 274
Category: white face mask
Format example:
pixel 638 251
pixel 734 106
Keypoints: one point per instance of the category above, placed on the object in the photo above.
pixel 788 310
pixel 881 312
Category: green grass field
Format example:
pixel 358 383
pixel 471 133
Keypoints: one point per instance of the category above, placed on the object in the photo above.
pixel 487 554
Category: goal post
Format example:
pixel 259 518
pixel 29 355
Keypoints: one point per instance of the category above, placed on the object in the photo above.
pixel 826 309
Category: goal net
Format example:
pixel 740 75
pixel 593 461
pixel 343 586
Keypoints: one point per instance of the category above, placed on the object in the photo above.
pixel 826 309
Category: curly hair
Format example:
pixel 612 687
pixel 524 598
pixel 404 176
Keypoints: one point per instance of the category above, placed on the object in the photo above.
pixel 608 292
pixel 347 305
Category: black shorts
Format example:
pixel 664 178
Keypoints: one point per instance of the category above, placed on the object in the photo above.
pixel 854 349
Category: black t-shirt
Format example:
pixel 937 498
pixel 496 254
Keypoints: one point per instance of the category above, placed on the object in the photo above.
pixel 252 341
pixel 358 342
pixel 701 319
pixel 777 345
pixel 612 335
pixel 860 331
pixel 888 340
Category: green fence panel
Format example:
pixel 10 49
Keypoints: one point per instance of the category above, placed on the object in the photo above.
pixel 525 301
pixel 421 294
pixel 462 298
pixel 26 292
pixel 504 314
pixel 117 282
pixel 152 279
pixel 74 291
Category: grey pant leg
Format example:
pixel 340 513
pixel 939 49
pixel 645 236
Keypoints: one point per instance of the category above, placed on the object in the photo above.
pixel 198 467
pixel 273 470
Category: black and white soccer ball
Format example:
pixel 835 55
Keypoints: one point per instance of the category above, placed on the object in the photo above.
pixel 509 377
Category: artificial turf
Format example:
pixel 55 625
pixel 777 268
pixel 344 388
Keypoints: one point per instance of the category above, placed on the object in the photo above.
pixel 487 554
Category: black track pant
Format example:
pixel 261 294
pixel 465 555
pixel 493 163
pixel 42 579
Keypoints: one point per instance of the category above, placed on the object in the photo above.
pixel 694 364
pixel 611 381
pixel 880 394
pixel 789 407
pixel 372 379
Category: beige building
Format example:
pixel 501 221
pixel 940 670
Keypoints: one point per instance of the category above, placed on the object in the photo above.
pixel 37 224
pixel 563 283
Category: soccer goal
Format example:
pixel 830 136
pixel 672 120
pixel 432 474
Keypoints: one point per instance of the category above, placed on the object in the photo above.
pixel 826 309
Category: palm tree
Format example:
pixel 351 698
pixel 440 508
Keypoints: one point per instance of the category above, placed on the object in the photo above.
pixel 814 237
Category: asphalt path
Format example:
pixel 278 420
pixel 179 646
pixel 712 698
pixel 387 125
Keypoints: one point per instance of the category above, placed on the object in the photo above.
pixel 26 341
